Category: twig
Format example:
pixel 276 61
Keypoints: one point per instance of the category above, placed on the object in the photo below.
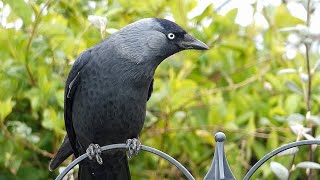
pixel 33 33
pixel 240 84
pixel 308 96
pixel 222 5
pixel 307 45
pixel 26 144
pixel 259 133
pixel 231 87
pixel 292 161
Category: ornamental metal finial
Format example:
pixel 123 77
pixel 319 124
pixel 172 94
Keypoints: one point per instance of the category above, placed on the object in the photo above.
pixel 219 168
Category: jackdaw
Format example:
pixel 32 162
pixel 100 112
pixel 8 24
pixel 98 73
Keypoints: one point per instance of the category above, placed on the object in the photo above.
pixel 107 90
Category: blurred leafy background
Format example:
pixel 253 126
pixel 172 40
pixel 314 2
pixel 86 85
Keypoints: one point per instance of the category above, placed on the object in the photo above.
pixel 252 84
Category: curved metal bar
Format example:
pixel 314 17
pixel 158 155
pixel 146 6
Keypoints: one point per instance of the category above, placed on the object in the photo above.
pixel 170 159
pixel 276 151
pixel 84 156
pixel 123 146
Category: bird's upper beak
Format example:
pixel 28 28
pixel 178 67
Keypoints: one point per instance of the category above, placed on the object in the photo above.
pixel 190 42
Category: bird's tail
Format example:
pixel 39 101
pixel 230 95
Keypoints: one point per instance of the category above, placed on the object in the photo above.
pixel 115 167
pixel 63 153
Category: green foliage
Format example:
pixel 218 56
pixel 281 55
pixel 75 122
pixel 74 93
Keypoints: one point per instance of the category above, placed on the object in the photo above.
pixel 235 87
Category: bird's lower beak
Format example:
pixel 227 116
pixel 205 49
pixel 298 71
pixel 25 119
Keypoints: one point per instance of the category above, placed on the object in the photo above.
pixel 190 42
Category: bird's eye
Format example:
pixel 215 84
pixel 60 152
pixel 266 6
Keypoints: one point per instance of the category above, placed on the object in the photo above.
pixel 171 36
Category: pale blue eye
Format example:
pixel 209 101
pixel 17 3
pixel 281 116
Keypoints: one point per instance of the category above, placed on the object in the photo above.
pixel 171 36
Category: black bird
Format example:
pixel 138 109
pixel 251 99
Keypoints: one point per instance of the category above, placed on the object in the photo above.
pixel 107 90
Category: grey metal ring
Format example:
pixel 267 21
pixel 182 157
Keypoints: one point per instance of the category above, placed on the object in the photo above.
pixel 123 146
pixel 277 151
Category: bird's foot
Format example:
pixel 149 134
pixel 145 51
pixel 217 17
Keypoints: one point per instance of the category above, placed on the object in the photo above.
pixel 133 146
pixel 94 151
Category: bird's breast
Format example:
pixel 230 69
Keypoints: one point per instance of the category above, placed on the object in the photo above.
pixel 112 110
pixel 110 102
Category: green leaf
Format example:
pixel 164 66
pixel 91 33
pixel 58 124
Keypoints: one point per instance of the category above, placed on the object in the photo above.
pixel 290 151
pixel 53 120
pixel 180 9
pixel 292 103
pixel 287 71
pixel 273 140
pixel 283 18
pixel 13 162
pixel 292 86
pixel 279 170
pixel 308 165
pixel 6 108
pixel 21 9
pixel 206 136
pixel 259 149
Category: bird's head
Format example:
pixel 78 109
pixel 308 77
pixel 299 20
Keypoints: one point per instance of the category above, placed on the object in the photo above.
pixel 154 39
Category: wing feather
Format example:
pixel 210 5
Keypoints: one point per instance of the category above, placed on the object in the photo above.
pixel 150 89
pixel 72 83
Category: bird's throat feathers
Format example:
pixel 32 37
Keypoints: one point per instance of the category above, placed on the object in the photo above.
pixel 138 72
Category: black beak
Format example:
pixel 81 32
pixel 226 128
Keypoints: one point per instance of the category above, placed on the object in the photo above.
pixel 190 42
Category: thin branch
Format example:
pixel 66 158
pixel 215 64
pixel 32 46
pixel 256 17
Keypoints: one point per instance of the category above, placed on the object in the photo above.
pixel 240 84
pixel 308 97
pixel 32 36
pixel 251 64
pixel 37 149
pixel 231 87
pixel 24 143
pixel 259 133
pixel 292 161
pixel 307 45
pixel 222 5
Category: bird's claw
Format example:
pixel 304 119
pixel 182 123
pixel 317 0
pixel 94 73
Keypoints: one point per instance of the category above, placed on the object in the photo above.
pixel 133 146
pixel 94 150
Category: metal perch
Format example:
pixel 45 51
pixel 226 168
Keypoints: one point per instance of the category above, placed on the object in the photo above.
pixel 218 170
pixel 123 146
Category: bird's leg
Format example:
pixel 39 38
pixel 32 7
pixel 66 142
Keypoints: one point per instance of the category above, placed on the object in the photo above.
pixel 94 150
pixel 133 146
